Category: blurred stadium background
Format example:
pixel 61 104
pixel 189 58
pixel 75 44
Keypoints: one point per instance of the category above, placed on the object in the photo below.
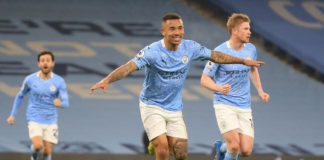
pixel 91 38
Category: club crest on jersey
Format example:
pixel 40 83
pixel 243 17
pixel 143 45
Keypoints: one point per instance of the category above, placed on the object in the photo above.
pixel 210 65
pixel 52 88
pixel 140 54
pixel 184 59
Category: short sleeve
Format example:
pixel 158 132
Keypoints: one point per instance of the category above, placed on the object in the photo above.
pixel 210 68
pixel 200 52
pixel 142 58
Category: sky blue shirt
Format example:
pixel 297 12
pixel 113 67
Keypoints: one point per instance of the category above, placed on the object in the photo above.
pixel 165 72
pixel 41 92
pixel 236 75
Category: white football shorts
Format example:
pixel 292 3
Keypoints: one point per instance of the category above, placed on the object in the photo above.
pixel 49 133
pixel 158 121
pixel 230 118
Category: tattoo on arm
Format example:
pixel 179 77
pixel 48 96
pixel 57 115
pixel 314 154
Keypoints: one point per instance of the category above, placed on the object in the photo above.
pixel 122 72
pixel 219 57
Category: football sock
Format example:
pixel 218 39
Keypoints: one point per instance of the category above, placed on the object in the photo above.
pixel 223 148
pixel 48 157
pixel 34 152
pixel 231 156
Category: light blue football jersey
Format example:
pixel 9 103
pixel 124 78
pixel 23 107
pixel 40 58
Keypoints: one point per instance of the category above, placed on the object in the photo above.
pixel 41 92
pixel 236 75
pixel 165 72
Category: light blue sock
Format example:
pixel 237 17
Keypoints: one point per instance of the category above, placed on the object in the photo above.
pixel 231 156
pixel 223 148
pixel 49 157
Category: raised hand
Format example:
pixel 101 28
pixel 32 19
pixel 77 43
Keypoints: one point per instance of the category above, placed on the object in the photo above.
pixel 101 84
pixel 253 63
pixel 11 120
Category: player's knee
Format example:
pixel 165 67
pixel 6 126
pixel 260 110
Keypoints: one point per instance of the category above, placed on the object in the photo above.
pixel 161 150
pixel 180 150
pixel 233 147
pixel 38 146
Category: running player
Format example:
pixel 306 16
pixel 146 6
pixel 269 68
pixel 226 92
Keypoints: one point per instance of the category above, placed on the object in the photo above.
pixel 166 64
pixel 231 86
pixel 47 92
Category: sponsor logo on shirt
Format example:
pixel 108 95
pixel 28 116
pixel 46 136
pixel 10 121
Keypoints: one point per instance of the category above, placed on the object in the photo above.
pixel 179 74
pixel 238 73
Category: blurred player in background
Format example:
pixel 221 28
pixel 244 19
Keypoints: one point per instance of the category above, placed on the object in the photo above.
pixel 166 64
pixel 231 86
pixel 47 92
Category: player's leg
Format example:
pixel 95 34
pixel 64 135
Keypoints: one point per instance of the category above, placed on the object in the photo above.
pixel 179 147
pixel 48 147
pixel 50 137
pixel 246 132
pixel 155 126
pixel 161 147
pixel 246 145
pixel 36 135
pixel 228 124
pixel 177 135
pixel 36 147
pixel 232 140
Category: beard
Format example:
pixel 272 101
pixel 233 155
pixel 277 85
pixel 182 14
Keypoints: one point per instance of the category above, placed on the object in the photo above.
pixel 46 70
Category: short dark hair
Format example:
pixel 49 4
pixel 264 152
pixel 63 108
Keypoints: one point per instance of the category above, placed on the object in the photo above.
pixel 45 53
pixel 169 16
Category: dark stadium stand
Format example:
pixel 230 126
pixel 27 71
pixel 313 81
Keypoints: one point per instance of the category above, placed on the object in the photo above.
pixel 295 27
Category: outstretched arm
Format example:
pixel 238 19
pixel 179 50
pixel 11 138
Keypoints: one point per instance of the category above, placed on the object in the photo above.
pixel 219 57
pixel 255 78
pixel 17 103
pixel 16 106
pixel 209 83
pixel 117 74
